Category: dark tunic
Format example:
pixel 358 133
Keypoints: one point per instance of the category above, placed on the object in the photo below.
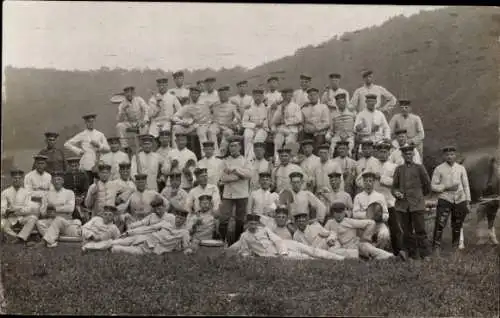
pixel 413 181
pixel 56 161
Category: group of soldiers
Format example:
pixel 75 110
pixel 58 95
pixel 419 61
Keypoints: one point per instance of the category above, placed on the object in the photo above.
pixel 318 202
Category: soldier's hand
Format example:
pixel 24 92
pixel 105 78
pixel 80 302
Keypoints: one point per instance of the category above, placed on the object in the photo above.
pixel 398 194
pixel 188 251
pixel 452 188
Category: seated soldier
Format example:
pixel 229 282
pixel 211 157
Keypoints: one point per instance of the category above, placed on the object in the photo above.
pixel 101 227
pixel 78 182
pixel 305 201
pixel 262 201
pixel 256 123
pixel 312 233
pixel 349 244
pixel 328 196
pixel 158 214
pixel 347 166
pixel 365 209
pixel 16 208
pixel 203 187
pixel 57 216
pixel 160 238
pixel 102 192
pixel 280 227
pixel 259 240
pixel 203 220
pixel 174 192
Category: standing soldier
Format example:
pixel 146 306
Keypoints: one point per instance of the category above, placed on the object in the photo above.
pixel 451 182
pixel 226 119
pixel 316 118
pixel 235 177
pixel 147 162
pixel 210 96
pixel 255 122
pixel 180 91
pixel 301 95
pixel 359 101
pixel 342 125
pixel 163 151
pixel 371 123
pixel 88 144
pixel 56 160
pixel 329 97
pixel 411 184
pixel 242 100
pixel 78 182
pixel 132 112
pixel 412 123
pixel 114 157
pixel 162 106
pixel 286 121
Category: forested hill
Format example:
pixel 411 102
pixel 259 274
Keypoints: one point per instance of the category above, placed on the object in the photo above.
pixel 446 61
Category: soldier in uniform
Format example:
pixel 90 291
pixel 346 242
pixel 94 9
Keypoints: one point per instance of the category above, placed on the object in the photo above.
pixel 38 183
pixel 342 127
pixel 56 159
pixel 396 155
pixel 180 91
pixel 147 162
pixel 114 157
pixel 211 163
pixel 242 100
pixel 301 96
pixel 347 165
pixel 89 144
pixel 316 118
pixel 210 96
pixel 173 191
pixel 255 122
pixel 132 112
pixel 329 97
pixel 371 123
pixel 101 193
pixel 309 163
pixel 305 201
pixel 192 204
pixel 78 182
pixel 367 162
pixel 281 174
pixel 412 123
pixel 323 169
pixel 259 164
pixel 162 106
pixel 179 158
pixel 226 119
pixel 359 101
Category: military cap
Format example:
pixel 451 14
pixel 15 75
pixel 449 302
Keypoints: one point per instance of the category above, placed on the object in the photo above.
pixel 300 214
pixel 370 96
pixel 242 83
pixel 89 116
pixel 180 210
pixel 307 142
pixel 164 133
pixel 113 139
pixel 324 146
pixel 57 174
pixel 199 171
pixel 366 73
pixel 156 202
pixel 272 78
pixel 312 89
pixel 177 135
pixel 367 142
pixel 40 158
pixel 449 148
pixel 287 90
pixel 162 80
pixel 340 95
pixel 174 173
pixel 104 166
pixel 406 147
pixel 342 143
pixel 335 75
pixel 400 131
pixel 146 137
pixel 205 197
pixel 337 206
pixel 210 79
pixel 296 174
pixel 128 88
pixel 404 102
pixel 73 159
pixel 141 176
pixel 281 209
pixel 199 82
pixel 207 144
pixel 224 88
pixel 259 144
pixel 368 174
pixel 110 208
pixel 235 138
pixel 178 74
pixel 49 134
pixel 284 150
pixel 305 76
pixel 253 217
pixel 194 89
pixel 334 174
pixel 384 145
pixel 258 91
pixel 124 165
pixel 16 172
pixel 264 174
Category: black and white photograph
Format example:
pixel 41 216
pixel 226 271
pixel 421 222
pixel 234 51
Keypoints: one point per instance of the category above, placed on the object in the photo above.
pixel 250 159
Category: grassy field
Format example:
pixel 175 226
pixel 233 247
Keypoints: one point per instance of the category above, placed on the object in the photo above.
pixel 63 281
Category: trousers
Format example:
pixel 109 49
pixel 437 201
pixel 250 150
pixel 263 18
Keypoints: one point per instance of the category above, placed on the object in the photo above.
pixel 28 222
pixel 282 137
pixel 50 229
pixel 214 130
pixel 201 130
pixel 249 137
pixel 121 129
pixel 415 240
pixel 443 210
pixel 226 229
pixel 395 230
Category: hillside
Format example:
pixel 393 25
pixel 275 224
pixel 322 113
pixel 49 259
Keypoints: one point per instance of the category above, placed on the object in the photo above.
pixel 445 61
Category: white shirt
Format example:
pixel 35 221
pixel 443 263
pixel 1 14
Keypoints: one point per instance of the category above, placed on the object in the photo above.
pixel 179 92
pixel 370 119
pixel 300 97
pixel 396 156
pixel 209 98
pixel 137 110
pixel 445 176
pixel 214 168
pixel 150 165
pixel 80 145
pixel 358 101
pixel 193 203
pixel 12 198
pixel 262 202
pixel 169 105
pixel 273 97
pixel 182 156
pixel 328 98
pixel 114 159
pixel 243 103
pixel 362 200
pixel 38 184
pixel 63 201
pixel 384 186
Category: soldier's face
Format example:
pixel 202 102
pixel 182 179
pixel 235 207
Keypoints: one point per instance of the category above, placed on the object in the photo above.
pixel 51 142
pixel 450 156
pixel 265 182
pixel 258 98
pixel 368 183
pixel 89 123
pixel 308 149
pixel 181 141
pixel 147 146
pixel 107 217
pixel 104 175
pixel 129 94
pixel 383 154
pixel 273 85
pixel 209 151
pixel 164 141
pixel 74 166
pixel 335 182
pixel 175 182
pixel 370 104
pixel 259 152
pixel 180 219
pixel 323 154
pixel 202 178
pixel 304 83
pixel 341 103
pixel 252 226
pixel 284 158
pixel 234 149
pixel 287 96
pixel 224 96
pixel 58 182
pixel 162 87
pixel 125 174
pixel 301 222
pixel 18 180
pixel 339 215
pixel 242 89
pixel 405 110
pixel 408 156
pixel 334 82
pixel 401 138
pixel 179 81
pixel 40 165
pixel 159 210
pixel 367 151
pixel 209 86
pixel 280 219
pixel 140 184
pixel 114 146
pixel 368 79
pixel 342 150
pixel 194 95
pixel 313 97
pixel 296 183
pixel 205 204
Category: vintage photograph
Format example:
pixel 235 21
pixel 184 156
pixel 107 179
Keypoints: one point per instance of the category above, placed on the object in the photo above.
pixel 250 159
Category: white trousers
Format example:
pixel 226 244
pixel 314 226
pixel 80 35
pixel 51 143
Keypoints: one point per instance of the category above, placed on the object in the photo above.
pixel 214 130
pixel 28 222
pixel 121 129
pixel 250 136
pixel 282 137
pixel 50 229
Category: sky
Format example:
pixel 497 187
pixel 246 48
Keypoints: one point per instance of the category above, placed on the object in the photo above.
pixel 171 36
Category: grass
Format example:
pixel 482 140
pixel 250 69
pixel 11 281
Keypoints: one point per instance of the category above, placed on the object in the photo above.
pixel 62 281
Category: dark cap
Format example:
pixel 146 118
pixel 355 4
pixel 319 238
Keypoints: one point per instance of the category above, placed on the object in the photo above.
pixel 337 206
pixel 258 91
pixel 224 88
pixel 370 96
pixel 110 208
pixel 259 144
pixel 164 133
pixel 287 90
pixel 253 217
pixel 334 75
pixel 342 143
pixel 368 174
pixel 366 73
pixel 367 142
pixel 113 139
pixel 334 174
pixel 449 148
pixel 307 142
pixel 207 144
pixel 404 102
pixel 199 171
pixel 400 131
pixel 284 150
pixel 340 95
pixel 305 76
pixel 141 176
pixel 242 83
pixel 73 159
pixel 57 174
pixel 124 165
pixel 210 79
pixel 146 137
pixel 162 80
pixel 49 134
pixel 324 146
pixel 312 89
pixel 89 116
pixel 264 175
pixel 174 173
pixel 180 210
pixel 300 214
pixel 281 209
pixel 235 138
pixel 384 146
pixel 296 174
pixel 128 88
pixel 178 74
pixel 104 166
pixel 205 197
pixel 406 147
pixel 272 78
pixel 194 89
pixel 16 172
pixel 40 158
pixel 156 202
